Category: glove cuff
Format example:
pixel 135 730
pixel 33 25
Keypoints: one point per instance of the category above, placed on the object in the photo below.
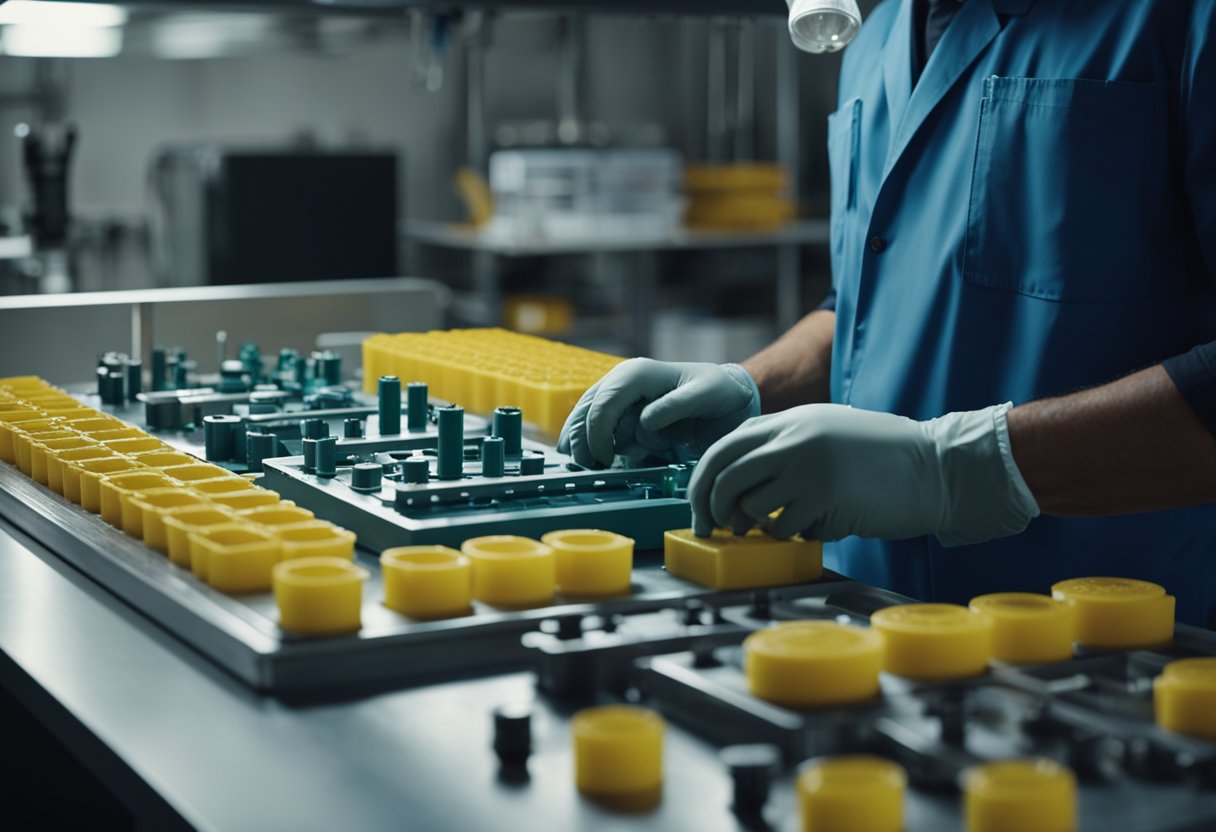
pixel 745 380
pixel 985 493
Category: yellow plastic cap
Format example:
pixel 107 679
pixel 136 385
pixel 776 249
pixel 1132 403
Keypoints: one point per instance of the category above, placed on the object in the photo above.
pixel 196 472
pixel 591 562
pixel 934 641
pixel 427 581
pixel 510 571
pixel 852 793
pixel 163 458
pixel 235 557
pixel 811 664
pixel 725 560
pixel 314 539
pixel 1184 697
pixel 1019 795
pixel 1119 613
pixel 153 505
pixel 42 452
pixel 1028 628
pixel 281 514
pixel 117 491
pixel 243 499
pixel 180 522
pixel 319 596
pixel 91 472
pixel 230 484
pixel 618 753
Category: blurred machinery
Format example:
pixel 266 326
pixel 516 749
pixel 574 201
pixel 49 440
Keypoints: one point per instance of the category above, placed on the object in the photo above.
pixel 229 215
pixel 393 539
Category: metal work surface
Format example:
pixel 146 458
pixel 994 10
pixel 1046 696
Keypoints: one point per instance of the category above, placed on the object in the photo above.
pixel 242 634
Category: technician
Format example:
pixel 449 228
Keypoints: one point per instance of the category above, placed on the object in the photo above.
pixel 1023 211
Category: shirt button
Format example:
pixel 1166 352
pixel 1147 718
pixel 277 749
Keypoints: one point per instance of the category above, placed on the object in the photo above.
pixel 877 244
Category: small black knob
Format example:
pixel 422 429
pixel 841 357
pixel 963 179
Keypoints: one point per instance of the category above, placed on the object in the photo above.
pixel 352 429
pixel 513 733
pixel 751 769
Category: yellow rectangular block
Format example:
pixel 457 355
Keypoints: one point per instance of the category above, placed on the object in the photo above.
pixel 481 369
pixel 751 561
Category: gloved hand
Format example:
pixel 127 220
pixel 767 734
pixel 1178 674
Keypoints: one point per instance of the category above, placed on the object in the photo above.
pixel 835 471
pixel 645 407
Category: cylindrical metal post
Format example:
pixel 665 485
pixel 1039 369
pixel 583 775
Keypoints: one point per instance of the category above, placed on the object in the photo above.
pixel 310 455
pixel 352 429
pixel 327 456
pixel 492 457
pixel 416 406
pixel 218 433
pixel 509 424
pixel 390 405
pixel 259 446
pixel 365 476
pixel 451 442
pixel 416 469
pixel 135 378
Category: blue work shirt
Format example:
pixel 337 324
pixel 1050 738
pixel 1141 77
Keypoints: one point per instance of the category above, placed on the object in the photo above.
pixel 1036 216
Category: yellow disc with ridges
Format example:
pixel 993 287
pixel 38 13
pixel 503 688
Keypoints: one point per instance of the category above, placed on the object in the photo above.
pixel 427 581
pixel 1184 697
pixel 618 752
pixel 934 641
pixel 319 596
pixel 1119 613
pixel 1020 795
pixel 591 562
pixel 812 664
pixel 511 571
pixel 1028 628
pixel 850 793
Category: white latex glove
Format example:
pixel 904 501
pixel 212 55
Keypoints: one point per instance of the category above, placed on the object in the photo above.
pixel 645 407
pixel 835 471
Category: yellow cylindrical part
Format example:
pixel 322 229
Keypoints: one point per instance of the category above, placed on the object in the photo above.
pixel 69 481
pixel 285 513
pixel 154 505
pixel 851 793
pixel 180 522
pixel 163 458
pixel 1184 697
pixel 813 664
pixel 427 581
pixel 591 562
pixel 319 596
pixel 1119 613
pixel 244 499
pixel 934 641
pixel 314 539
pixel 1028 628
pixel 234 557
pixel 196 472
pixel 618 754
pixel 1019 795
pixel 230 484
pixel 25 443
pixel 92 471
pixel 42 453
pixel 23 433
pixel 141 443
pixel 510 571
pixel 15 427
pixel 117 491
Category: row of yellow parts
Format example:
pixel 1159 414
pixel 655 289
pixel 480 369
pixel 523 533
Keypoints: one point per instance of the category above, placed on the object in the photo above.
pixel 618 761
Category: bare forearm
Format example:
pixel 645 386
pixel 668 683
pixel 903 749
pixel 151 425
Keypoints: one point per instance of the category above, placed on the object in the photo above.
pixel 795 368
pixel 1132 445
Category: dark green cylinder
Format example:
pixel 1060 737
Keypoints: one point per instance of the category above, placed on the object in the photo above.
pixel 492 457
pixel 415 406
pixel 509 424
pixel 390 405
pixel 451 442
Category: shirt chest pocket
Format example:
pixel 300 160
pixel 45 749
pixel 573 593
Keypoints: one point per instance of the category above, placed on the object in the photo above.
pixel 844 128
pixel 1068 189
